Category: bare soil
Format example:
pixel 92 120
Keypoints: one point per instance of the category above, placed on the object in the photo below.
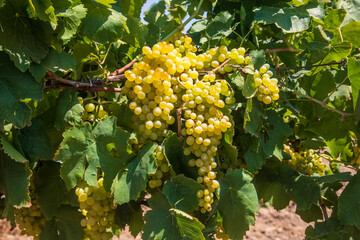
pixel 270 225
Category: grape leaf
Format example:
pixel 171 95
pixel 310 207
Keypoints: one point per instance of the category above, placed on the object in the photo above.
pixel 44 10
pixel 181 193
pixel 54 61
pixel 68 110
pixel 312 214
pixel 14 181
pixel 132 181
pixel 334 18
pixel 164 222
pixel 11 151
pixel 106 2
pixel 130 7
pixel 289 19
pixel 102 24
pixel 277 135
pixel 70 21
pixel 130 214
pixel 351 32
pixel 305 191
pixel 220 26
pixel 238 203
pixel 349 209
pixel 272 183
pixel 254 116
pixel 258 58
pixel 354 76
pixel 249 89
pixel 15 86
pixel 65 225
pixel 23 38
pixel 50 188
pixel 174 154
pixel 84 145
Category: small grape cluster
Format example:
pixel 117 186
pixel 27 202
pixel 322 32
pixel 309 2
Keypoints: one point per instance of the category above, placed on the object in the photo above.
pixel 98 209
pixel 267 89
pixel 162 168
pixel 93 112
pixel 220 232
pixel 30 219
pixel 307 162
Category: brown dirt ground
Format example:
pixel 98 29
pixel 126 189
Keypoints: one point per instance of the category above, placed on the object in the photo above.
pixel 270 225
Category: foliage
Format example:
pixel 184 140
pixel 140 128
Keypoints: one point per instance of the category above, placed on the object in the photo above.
pixel 64 120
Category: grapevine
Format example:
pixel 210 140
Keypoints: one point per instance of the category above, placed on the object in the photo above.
pixel 173 120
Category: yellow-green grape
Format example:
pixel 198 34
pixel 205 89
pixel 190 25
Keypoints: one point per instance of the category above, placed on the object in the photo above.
pixel 307 162
pixel 98 210
pixel 220 232
pixel 267 89
pixel 93 112
pixel 30 219
pixel 162 168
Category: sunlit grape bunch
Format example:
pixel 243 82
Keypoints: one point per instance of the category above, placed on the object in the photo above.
pixel 30 220
pixel 93 111
pixel 162 168
pixel 98 209
pixel 307 162
pixel 267 89
pixel 220 232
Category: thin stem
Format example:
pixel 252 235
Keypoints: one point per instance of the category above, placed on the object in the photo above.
pixel 308 66
pixel 126 67
pixel 84 88
pixel 323 208
pixel 282 50
pixel 178 114
pixel 116 78
pixel 76 84
pixel 247 34
pixel 185 23
pixel 335 89
pixel 323 104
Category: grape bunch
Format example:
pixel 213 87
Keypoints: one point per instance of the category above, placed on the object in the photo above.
pixel 267 89
pixel 98 209
pixel 220 232
pixel 307 162
pixel 356 156
pixel 173 76
pixel 30 220
pixel 93 111
pixel 162 168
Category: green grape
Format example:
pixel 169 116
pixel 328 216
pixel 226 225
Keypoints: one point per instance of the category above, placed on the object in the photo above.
pixel 98 210
pixel 90 107
pixel 307 162
pixel 30 219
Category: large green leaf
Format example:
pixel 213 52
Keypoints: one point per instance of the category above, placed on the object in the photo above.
pixel 44 10
pixel 130 214
pixel 249 88
pixel 334 18
pixel 70 21
pixel 349 209
pixel 24 39
pixel 351 33
pixel 65 225
pixel 84 145
pixel 132 181
pixel 103 24
pixel 333 52
pixel 238 203
pixel 289 19
pixel 181 192
pixel 11 151
pixel 130 7
pixel 305 191
pixel 15 86
pixel 14 181
pixel 254 116
pixel 68 110
pixel 164 222
pixel 277 135
pixel 54 61
pixel 354 76
pixel 220 26
pixel 50 188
